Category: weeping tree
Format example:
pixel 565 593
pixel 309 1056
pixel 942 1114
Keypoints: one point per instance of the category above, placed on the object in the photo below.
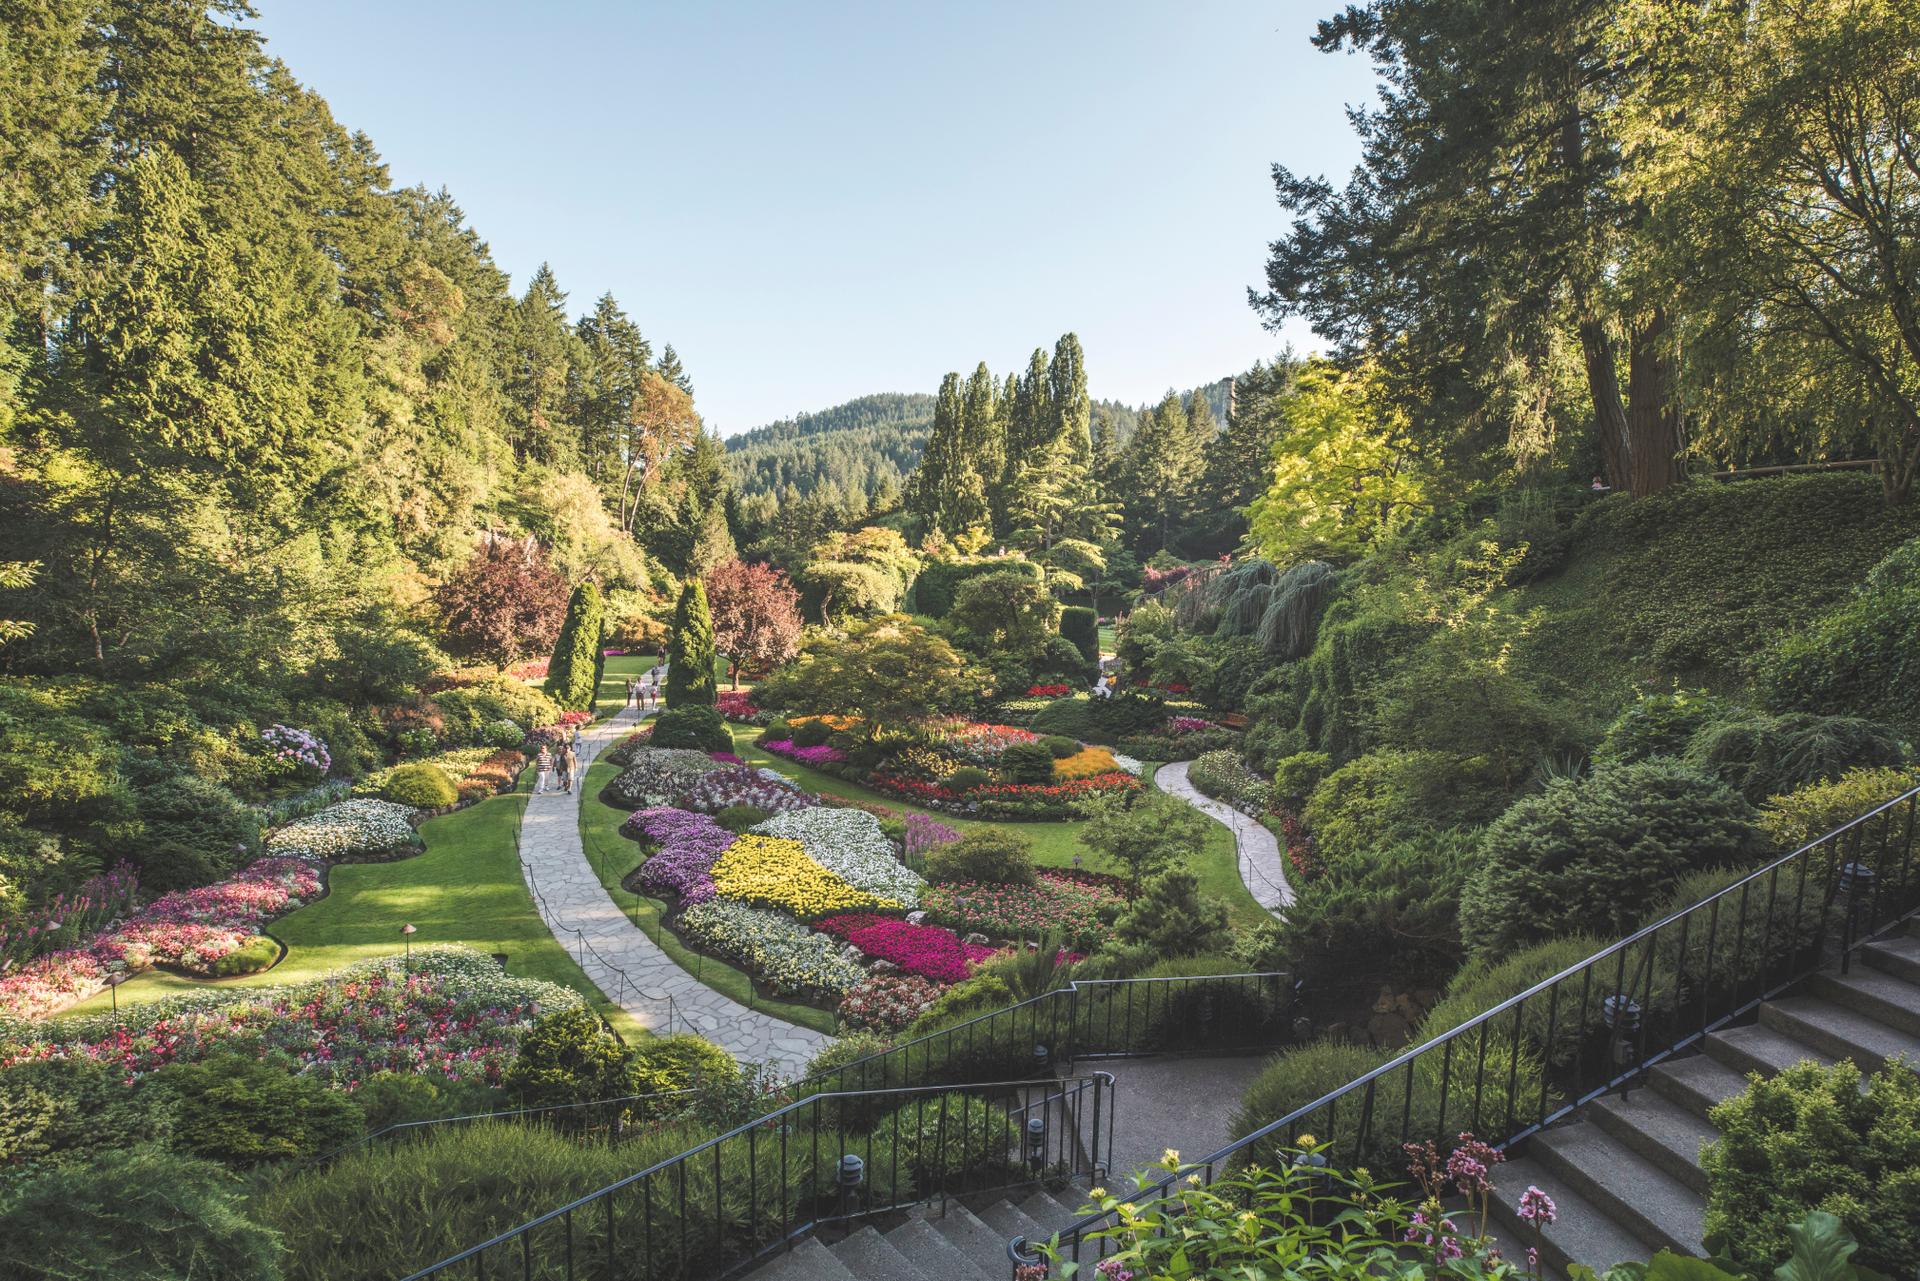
pixel 690 659
pixel 1294 605
pixel 573 677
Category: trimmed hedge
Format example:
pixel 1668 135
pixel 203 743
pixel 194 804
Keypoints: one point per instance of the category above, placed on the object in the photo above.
pixel 691 658
pixel 1081 625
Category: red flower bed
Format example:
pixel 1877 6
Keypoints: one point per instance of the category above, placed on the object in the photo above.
pixel 1301 851
pixel 1048 691
pixel 926 950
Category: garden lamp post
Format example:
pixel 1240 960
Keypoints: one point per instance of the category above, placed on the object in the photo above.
pixel 1856 883
pixel 113 988
pixel 851 1174
pixel 406 936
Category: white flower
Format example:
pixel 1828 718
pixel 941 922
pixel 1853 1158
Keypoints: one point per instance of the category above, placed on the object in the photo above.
pixel 345 830
pixel 850 844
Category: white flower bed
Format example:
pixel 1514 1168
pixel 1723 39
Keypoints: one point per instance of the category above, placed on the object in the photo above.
pixel 850 844
pixel 658 774
pixel 1130 764
pixel 774 946
pixel 355 829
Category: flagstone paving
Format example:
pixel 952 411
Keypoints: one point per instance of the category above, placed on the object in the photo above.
pixel 1261 865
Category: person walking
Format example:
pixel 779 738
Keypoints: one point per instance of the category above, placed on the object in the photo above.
pixel 543 770
pixel 567 762
pixel 633 691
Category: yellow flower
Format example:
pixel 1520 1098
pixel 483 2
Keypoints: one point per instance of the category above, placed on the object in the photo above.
pixel 1170 1157
pixel 1306 1141
pixel 773 871
pixel 1097 1193
pixel 1194 1179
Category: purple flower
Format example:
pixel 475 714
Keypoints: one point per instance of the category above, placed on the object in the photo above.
pixel 1537 1207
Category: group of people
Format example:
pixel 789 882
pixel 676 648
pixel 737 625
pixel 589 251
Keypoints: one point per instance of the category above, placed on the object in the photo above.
pixel 564 762
pixel 646 691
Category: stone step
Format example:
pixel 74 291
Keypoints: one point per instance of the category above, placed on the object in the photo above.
pixel 1885 998
pixel 1898 955
pixel 871 1257
pixel 1582 1233
pixel 980 1243
pixel 1053 1212
pixel 1697 1083
pixel 1659 1130
pixel 808 1261
pixel 936 1256
pixel 1010 1221
pixel 1838 1031
pixel 1651 1204
pixel 1760 1048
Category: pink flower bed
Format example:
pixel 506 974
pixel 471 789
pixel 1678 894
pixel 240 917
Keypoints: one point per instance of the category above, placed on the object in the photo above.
pixel 737 705
pixel 531 670
pixel 1188 724
pixel 71 918
pixel 926 950
pixel 978 743
pixel 820 755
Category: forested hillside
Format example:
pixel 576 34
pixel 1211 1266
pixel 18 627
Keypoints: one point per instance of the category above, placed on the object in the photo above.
pixel 855 456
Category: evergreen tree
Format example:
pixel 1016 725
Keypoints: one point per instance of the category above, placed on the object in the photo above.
pixel 985 436
pixel 690 658
pixel 673 371
pixel 614 354
pixel 1068 408
pixel 1163 462
pixel 946 489
pixel 573 677
pixel 545 354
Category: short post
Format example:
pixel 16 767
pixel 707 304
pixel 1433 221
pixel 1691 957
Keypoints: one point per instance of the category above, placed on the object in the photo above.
pixel 1622 1014
pixel 1042 1059
pixel 406 937
pixel 1856 882
pixel 1037 1143
pixel 852 1173
pixel 113 986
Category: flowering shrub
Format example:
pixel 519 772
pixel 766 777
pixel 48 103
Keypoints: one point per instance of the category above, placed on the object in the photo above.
pixel 623 752
pixel 532 670
pixel 70 919
pixel 497 773
pixel 743 785
pixel 977 743
pixel 785 953
pixel 656 776
pixel 688 845
pixel 1085 763
pixel 457 763
pixel 1225 777
pixel 737 706
pixel 771 871
pixel 849 844
pixel 1188 724
pixel 887 1002
pixel 1301 851
pixel 293 751
pixel 921 763
pixel 1048 691
pixel 1078 910
pixel 925 832
pixel 815 756
pixel 926 950
pixel 455 1015
pixel 359 831
pixel 1153 580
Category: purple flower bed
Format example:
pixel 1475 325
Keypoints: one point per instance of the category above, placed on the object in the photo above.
pixel 821 755
pixel 742 785
pixel 925 832
pixel 689 844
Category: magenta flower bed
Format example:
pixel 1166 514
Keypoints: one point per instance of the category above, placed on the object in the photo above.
pixel 926 950
pixel 1189 724
pixel 736 705
pixel 820 755
pixel 689 844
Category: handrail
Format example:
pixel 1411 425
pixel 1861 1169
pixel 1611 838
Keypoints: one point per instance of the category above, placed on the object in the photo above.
pixel 1853 879
pixel 581 944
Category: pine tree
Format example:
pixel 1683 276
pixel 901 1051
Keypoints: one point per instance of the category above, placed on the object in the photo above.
pixel 545 354
pixel 1068 407
pixel 985 434
pixel 1162 464
pixel 673 371
pixel 614 354
pixel 947 491
pixel 690 658
pixel 573 677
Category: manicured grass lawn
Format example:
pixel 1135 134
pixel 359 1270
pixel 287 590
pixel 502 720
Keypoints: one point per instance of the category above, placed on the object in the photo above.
pixel 1109 634
pixel 465 888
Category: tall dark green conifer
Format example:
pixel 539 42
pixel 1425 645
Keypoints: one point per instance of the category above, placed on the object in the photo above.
pixel 1068 408
pixel 545 354
pixel 691 680
pixel 614 354
pixel 947 493
pixel 573 676
pixel 673 371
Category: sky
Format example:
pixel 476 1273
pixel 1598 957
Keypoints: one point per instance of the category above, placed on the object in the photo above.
pixel 815 201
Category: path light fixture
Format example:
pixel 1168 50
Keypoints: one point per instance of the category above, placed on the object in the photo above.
pixel 113 986
pixel 406 937
pixel 1856 883
pixel 1622 1014
pixel 1036 1143
pixel 852 1172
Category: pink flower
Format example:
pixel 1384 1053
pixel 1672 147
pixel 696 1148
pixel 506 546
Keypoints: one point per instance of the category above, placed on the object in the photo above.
pixel 1537 1207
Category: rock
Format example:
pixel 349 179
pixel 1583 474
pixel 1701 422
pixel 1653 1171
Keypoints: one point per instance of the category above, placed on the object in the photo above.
pixel 1383 1003
pixel 883 966
pixel 978 940
pixel 1405 1006
pixel 1388 1031
pixel 848 952
pixel 916 918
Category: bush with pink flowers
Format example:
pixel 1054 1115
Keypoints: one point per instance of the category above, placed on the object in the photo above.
pixel 926 950
pixel 818 755
pixel 737 706
pixel 887 1002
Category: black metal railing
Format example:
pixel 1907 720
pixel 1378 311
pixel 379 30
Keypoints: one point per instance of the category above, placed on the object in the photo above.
pixel 1598 1025
pixel 823 1162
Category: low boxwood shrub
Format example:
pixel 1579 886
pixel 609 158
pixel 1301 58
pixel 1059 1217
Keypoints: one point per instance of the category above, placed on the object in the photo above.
pixel 256 954
pixel 1809 813
pixel 243 1111
pixel 420 785
pixel 989 854
pixel 1811 1139
pixel 693 725
pixel 1027 763
pixel 1060 746
pixel 568 1057
pixel 1069 717
pixel 968 777
pixel 1597 853
pixel 811 733
pixel 670 1064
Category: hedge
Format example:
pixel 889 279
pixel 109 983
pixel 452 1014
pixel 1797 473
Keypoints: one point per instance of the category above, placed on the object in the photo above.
pixel 1082 626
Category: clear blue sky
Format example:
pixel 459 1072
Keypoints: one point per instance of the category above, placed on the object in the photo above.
pixel 813 201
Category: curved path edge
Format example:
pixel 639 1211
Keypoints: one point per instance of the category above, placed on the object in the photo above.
pixel 1262 867
pixel 617 955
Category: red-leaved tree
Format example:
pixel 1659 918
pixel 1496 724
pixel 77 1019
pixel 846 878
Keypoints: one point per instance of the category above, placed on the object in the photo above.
pixel 505 603
pixel 756 616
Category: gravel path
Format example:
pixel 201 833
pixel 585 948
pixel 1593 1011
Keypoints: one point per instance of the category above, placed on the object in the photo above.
pixel 1261 865
pixel 616 954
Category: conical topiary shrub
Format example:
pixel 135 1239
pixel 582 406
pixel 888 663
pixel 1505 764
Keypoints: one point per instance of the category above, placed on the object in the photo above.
pixel 573 677
pixel 690 659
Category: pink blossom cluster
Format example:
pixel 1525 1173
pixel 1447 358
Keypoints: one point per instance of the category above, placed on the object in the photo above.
pixel 926 950
pixel 818 755
pixel 978 743
pixel 888 1002
pixel 70 918
pixel 1189 724
pixel 925 832
pixel 737 705
pixel 688 845
pixel 296 748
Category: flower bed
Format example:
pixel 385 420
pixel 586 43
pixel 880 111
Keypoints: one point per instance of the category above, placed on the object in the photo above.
pixel 816 756
pixel 849 844
pixel 688 845
pixel 623 752
pixel 656 776
pixel 295 751
pixel 359 831
pixel 887 1002
pixel 743 785
pixel 1225 777
pixel 1301 851
pixel 1008 800
pixel 1077 909
pixel 456 1015
pixel 737 706
pixel 977 743
pixel 926 950
pixel 532 670
pixel 771 871
pixel 1048 691
pixel 791 958
pixel 71 919
pixel 496 774
pixel 1088 762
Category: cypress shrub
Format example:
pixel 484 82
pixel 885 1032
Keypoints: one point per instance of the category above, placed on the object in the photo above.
pixel 573 677
pixel 690 660
pixel 1082 626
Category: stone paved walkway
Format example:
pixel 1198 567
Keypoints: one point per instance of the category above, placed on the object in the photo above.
pixel 633 972
pixel 1261 865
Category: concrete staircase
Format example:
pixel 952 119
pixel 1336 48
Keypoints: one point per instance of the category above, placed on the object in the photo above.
pixel 932 1243
pixel 1625 1171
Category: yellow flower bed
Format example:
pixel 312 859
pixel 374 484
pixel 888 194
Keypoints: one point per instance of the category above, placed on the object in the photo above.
pixel 836 723
pixel 772 871
pixel 1085 763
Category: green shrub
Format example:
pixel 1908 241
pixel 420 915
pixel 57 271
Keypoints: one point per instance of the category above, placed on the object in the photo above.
pixel 395 1098
pixel 991 854
pixel 467 712
pixel 1389 913
pixel 670 1064
pixel 1597 853
pixel 1143 832
pixel 1809 813
pixel 420 785
pixel 1082 626
pixel 1484 984
pixel 691 679
pixel 1811 1139
pixel 1179 1016
pixel 1856 660
pixel 142 1214
pixel 243 1111
pixel 1294 1078
pixel 966 778
pixel 256 954
pixel 777 730
pixel 67 1109
pixel 824 1068
pixel 939 580
pixel 191 831
pixel 1734 948
pixel 573 677
pixel 1060 745
pixel 1027 763
pixel 1761 756
pixel 813 733
pixel 968 999
pixel 1131 711
pixel 1169 918
pixel 1069 717
pixel 1295 776
pixel 692 725
pixel 1391 796
pixel 1657 725
pixel 741 818
pixel 950 1142
pixel 568 1057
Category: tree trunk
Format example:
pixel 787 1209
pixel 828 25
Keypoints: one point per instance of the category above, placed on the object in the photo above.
pixel 1654 437
pixel 1603 384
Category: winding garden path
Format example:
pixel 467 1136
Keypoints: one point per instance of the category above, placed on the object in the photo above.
pixel 1262 866
pixel 616 954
